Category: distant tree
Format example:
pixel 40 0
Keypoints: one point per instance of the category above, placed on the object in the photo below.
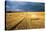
pixel 8 11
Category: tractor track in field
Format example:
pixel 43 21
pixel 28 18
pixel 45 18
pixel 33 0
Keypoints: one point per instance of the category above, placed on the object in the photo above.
pixel 16 24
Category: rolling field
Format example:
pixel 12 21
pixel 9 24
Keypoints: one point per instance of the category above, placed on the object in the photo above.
pixel 25 20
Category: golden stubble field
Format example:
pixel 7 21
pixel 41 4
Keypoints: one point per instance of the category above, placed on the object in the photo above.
pixel 25 20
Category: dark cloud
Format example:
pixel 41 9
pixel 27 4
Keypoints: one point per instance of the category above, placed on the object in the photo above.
pixel 24 6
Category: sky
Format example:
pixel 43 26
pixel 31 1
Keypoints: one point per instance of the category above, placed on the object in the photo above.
pixel 24 6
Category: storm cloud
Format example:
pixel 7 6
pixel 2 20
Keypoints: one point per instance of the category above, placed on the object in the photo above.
pixel 24 6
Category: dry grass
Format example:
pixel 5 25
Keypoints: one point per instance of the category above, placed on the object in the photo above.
pixel 30 20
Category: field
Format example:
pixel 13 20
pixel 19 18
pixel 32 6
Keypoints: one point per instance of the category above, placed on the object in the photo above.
pixel 25 20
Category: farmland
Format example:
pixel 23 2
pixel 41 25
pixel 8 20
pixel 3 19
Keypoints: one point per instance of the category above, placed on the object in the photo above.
pixel 25 20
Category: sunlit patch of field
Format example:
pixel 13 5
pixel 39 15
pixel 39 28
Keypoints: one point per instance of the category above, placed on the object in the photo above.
pixel 25 20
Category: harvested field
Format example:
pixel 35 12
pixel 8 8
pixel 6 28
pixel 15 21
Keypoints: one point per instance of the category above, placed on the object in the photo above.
pixel 25 20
